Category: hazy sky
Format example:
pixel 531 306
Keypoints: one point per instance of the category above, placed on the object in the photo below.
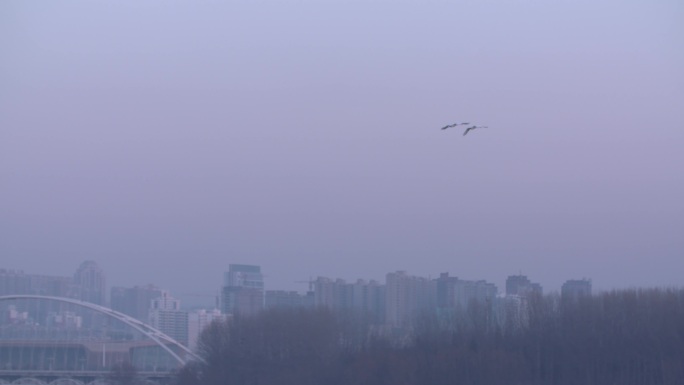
pixel 168 139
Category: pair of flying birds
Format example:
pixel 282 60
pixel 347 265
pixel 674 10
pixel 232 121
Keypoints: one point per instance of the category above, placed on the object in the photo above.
pixel 463 124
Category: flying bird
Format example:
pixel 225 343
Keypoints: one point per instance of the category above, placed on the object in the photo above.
pixel 472 128
pixel 453 125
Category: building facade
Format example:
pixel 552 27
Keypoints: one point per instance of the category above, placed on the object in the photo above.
pixel 522 286
pixel 17 282
pixel 135 301
pixel 362 297
pixel 243 290
pixel 198 320
pixel 574 289
pixel 166 316
pixel 90 283
pixel 407 297
pixel 457 294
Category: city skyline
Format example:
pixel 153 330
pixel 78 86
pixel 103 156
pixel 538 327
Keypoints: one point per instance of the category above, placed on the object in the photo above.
pixel 167 140
pixel 210 298
pixel 397 303
pixel 126 327
pixel 127 298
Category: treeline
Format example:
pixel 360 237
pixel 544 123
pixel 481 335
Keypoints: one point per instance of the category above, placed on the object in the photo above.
pixel 622 337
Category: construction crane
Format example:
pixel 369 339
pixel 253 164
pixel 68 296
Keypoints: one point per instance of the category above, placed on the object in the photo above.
pixel 310 282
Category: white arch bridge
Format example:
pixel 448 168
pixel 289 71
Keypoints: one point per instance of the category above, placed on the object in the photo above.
pixel 62 341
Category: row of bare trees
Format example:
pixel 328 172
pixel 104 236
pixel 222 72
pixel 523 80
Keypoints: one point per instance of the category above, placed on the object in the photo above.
pixel 622 337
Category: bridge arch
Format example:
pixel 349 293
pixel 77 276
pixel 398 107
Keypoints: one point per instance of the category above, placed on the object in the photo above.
pixel 155 335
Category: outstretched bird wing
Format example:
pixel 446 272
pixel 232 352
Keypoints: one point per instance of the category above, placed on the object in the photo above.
pixel 453 125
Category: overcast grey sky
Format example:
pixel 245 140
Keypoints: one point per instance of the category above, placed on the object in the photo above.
pixel 167 139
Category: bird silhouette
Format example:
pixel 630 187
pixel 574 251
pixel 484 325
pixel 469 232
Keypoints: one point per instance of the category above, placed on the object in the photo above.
pixel 472 128
pixel 453 125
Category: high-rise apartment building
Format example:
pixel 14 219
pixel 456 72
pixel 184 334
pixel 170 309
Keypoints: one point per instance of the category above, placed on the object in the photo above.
pixel 366 297
pixel 90 283
pixel 333 294
pixel 369 297
pixel 244 276
pixel 167 317
pixel 406 297
pixel 575 289
pixel 521 285
pixel 134 301
pixel 14 282
pixel 198 320
pixel 457 294
pixel 243 290
pixel 17 282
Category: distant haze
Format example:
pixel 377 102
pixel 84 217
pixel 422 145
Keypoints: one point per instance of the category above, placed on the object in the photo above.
pixel 167 139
